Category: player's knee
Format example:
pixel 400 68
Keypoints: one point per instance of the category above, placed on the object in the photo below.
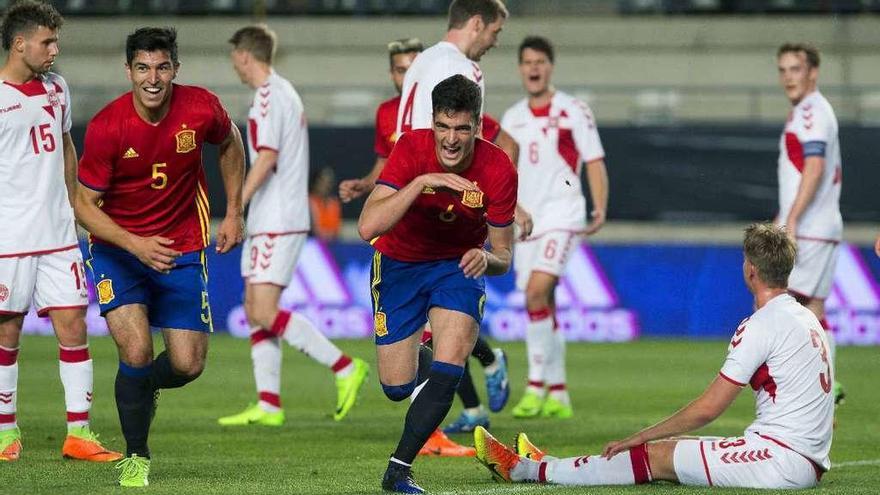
pixel 189 370
pixel 71 332
pixel 260 315
pixel 536 298
pixel 398 393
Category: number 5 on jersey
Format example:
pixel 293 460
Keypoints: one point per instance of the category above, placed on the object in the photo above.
pixel 160 179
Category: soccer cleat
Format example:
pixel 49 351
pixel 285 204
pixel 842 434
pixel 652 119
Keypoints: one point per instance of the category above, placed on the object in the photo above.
pixel 10 444
pixel 529 406
pixel 527 449
pixel 467 422
pixel 398 479
pixel 497 384
pixel 81 443
pixel 553 408
pixel 440 445
pixel 839 393
pixel 135 471
pixel 347 388
pixel 253 415
pixel 497 457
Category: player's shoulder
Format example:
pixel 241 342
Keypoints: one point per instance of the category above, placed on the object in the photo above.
pixel 389 105
pixel 56 80
pixel 813 106
pixel 417 140
pixel 571 103
pixel 114 112
pixel 777 314
pixel 517 110
pixel 491 156
pixel 195 94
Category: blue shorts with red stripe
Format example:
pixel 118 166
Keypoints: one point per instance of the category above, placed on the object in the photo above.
pixel 403 292
pixel 178 299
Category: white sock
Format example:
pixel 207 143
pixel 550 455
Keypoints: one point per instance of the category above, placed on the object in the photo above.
pixel 626 468
pixel 266 358
pixel 302 334
pixel 8 387
pixel 539 335
pixel 554 369
pixel 75 367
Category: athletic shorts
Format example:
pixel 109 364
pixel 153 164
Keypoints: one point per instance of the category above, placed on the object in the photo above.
pixel 813 273
pixel 271 259
pixel 548 253
pixel 404 292
pixel 177 300
pixel 50 281
pixel 751 461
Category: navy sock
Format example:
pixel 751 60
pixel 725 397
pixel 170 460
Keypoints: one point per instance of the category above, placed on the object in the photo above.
pixel 466 391
pixel 163 375
pixel 426 357
pixel 483 352
pixel 428 410
pixel 134 402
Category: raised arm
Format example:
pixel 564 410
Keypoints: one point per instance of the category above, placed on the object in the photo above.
pixel 231 163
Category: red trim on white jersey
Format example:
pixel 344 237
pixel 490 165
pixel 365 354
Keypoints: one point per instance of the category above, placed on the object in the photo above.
pixel 731 380
pixel 705 464
pixel 290 232
pixel 38 253
pixel 817 239
pixel 816 467
pixel 44 311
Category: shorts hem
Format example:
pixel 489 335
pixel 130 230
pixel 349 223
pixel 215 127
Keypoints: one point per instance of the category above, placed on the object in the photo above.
pixel 44 311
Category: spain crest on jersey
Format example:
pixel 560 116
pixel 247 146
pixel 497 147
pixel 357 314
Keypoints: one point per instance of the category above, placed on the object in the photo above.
pixel 472 199
pixel 380 322
pixel 186 140
pixel 105 291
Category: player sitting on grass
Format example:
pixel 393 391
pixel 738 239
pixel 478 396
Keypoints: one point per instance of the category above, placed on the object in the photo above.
pixel 781 351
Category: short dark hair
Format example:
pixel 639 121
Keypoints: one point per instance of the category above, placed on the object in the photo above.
pixel 258 40
pixel 151 39
pixel 771 251
pixel 25 16
pixel 462 10
pixel 404 45
pixel 539 44
pixel 807 49
pixel 457 94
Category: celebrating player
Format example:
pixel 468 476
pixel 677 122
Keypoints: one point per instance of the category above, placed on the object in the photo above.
pixel 780 351
pixel 441 193
pixel 40 260
pixel 809 172
pixel 557 134
pixel 278 225
pixel 143 199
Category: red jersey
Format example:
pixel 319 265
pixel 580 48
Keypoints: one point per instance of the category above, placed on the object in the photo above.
pixel 386 127
pixel 491 128
pixel 443 224
pixel 151 175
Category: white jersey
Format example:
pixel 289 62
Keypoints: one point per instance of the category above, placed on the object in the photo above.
pixel 782 352
pixel 430 67
pixel 554 142
pixel 276 121
pixel 35 212
pixel 811 130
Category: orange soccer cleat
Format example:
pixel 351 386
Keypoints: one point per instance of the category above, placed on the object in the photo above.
pixel 10 443
pixel 497 457
pixel 83 444
pixel 440 445
pixel 526 448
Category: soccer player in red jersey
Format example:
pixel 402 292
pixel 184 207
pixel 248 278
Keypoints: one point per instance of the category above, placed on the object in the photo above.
pixel 143 199
pixel 40 259
pixel 442 193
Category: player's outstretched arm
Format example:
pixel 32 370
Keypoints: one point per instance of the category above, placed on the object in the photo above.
pixel 354 188
pixel 70 164
pixel 386 206
pixel 597 177
pixel 496 261
pixel 810 178
pixel 702 411
pixel 155 252
pixel 231 161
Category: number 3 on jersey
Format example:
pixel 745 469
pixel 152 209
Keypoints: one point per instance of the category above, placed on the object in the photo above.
pixel 824 378
pixel 160 179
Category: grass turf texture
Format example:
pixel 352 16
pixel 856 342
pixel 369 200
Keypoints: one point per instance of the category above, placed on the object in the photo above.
pixel 616 389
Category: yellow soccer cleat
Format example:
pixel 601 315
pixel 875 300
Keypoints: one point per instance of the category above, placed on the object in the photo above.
pixel 529 406
pixel 10 444
pixel 497 457
pixel 253 415
pixel 135 471
pixel 347 388
pixel 553 408
pixel 81 443
pixel 527 449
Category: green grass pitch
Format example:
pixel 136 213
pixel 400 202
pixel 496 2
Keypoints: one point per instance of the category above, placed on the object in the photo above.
pixel 616 389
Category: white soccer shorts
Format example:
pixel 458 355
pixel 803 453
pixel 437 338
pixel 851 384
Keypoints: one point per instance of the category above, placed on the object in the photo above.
pixel 548 252
pixel 813 273
pixel 271 259
pixel 51 281
pixel 751 461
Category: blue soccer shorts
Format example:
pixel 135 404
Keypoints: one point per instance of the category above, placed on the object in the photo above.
pixel 403 293
pixel 176 300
